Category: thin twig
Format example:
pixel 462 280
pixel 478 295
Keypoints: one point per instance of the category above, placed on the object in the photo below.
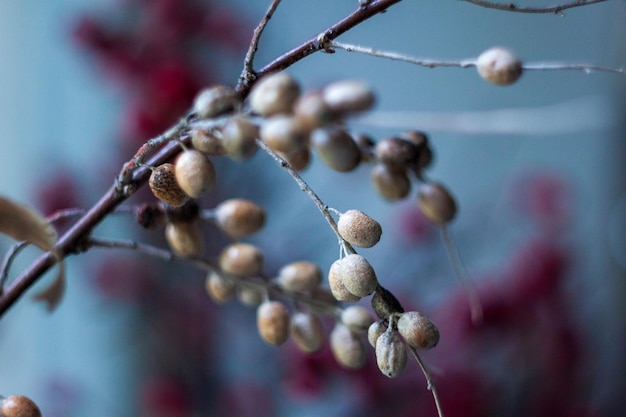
pixel 510 7
pixel 429 380
pixel 468 63
pixel 7 262
pixel 248 74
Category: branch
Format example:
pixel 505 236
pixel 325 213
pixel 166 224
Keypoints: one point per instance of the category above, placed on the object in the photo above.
pixel 469 63
pixel 510 7
pixel 362 13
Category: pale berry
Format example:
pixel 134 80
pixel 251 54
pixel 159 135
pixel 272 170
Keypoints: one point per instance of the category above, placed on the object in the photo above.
pixel 358 229
pixel 347 347
pixel 214 101
pixel 299 276
pixel 357 318
pixel 238 217
pixel 499 66
pixel 241 259
pixel 307 331
pixel 391 354
pixel 417 330
pixel 185 239
pixel 194 173
pixel 239 136
pixel 357 275
pixel 274 94
pixel 349 96
pixel 273 322
pixel 219 288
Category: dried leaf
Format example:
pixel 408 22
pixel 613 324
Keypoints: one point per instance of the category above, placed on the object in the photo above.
pixel 24 224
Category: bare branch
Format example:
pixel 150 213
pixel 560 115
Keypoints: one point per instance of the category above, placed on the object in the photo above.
pixel 248 75
pixel 510 7
pixel 429 379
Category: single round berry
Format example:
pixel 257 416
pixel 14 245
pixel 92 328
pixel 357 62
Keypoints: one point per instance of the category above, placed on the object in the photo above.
pixel 397 154
pixel 219 288
pixel 239 136
pixel 214 101
pixel 391 354
pixel 239 217
pixel 273 322
pixel 283 134
pixel 436 203
pixel 336 148
pixel 207 142
pixel 164 186
pixel 347 347
pixel 241 259
pixel 299 276
pixel 417 330
pixel 357 275
pixel 349 96
pixel 358 229
pixel 307 332
pixel 375 330
pixel 357 318
pixel 19 406
pixel 185 239
pixel 499 66
pixel 194 173
pixel 312 111
pixel 391 185
pixel 274 94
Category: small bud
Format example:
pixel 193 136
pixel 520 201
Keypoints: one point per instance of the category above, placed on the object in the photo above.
pixel 238 217
pixel 391 185
pixel 307 331
pixel 283 134
pixel 272 319
pixel 194 173
pixel 274 94
pixel 185 239
pixel 241 259
pixel 219 288
pixel 374 331
pixel 390 354
pixel 436 203
pixel 336 148
pixel 18 406
pixel 499 66
pixel 417 330
pixel 357 318
pixel 347 348
pixel 357 275
pixel 239 138
pixel 299 276
pixel 358 229
pixel 207 142
pixel 335 282
pixel 215 101
pixel 164 186
pixel 349 96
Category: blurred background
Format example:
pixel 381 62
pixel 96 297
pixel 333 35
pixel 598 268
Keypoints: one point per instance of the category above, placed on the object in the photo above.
pixel 542 223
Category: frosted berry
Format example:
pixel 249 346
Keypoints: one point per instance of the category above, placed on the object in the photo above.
pixel 391 354
pixel 299 276
pixel 185 239
pixel 19 406
pixel 347 347
pixel 357 275
pixel 239 217
pixel 307 331
pixel 207 142
pixel 194 173
pixel 164 186
pixel 358 229
pixel 336 148
pixel 274 94
pixel 349 96
pixel 335 283
pixel 499 66
pixel 241 259
pixel 436 203
pixel 374 331
pixel 214 101
pixel 417 330
pixel 273 322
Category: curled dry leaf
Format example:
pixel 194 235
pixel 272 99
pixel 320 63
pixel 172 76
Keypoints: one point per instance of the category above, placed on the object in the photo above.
pixel 24 224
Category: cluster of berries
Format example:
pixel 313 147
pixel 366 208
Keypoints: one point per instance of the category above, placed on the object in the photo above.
pixel 292 125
